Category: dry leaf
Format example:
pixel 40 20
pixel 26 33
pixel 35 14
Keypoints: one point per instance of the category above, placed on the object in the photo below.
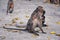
pixel 52 32
pixel 16 18
pixel 13 21
pixel 27 16
pixel 57 34
pixel 57 22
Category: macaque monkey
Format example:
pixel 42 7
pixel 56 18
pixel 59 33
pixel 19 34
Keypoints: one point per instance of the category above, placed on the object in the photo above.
pixel 55 1
pixel 10 6
pixel 35 19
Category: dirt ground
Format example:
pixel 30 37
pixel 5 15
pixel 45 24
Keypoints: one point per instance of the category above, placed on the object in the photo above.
pixel 20 16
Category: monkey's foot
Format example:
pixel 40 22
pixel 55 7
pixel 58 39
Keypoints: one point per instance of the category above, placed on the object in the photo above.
pixel 37 31
pixel 36 34
pixel 44 25
pixel 44 32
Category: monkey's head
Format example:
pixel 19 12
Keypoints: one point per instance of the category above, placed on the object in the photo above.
pixel 40 9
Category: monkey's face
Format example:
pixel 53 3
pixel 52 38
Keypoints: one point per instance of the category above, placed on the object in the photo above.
pixel 41 11
pixel 11 5
pixel 34 17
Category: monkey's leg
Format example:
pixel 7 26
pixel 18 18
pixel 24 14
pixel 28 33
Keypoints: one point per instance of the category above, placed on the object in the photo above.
pixel 30 28
pixel 40 26
pixel 29 24
pixel 33 27
pixel 57 1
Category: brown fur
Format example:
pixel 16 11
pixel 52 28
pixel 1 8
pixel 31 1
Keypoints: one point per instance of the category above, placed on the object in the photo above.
pixel 35 19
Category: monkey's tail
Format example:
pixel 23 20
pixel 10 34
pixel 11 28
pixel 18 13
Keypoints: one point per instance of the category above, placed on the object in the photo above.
pixel 21 29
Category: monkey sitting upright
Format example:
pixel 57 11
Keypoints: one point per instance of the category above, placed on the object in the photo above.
pixel 35 19
pixel 10 6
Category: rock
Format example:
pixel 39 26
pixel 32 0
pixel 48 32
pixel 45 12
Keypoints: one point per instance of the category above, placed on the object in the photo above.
pixel 37 29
